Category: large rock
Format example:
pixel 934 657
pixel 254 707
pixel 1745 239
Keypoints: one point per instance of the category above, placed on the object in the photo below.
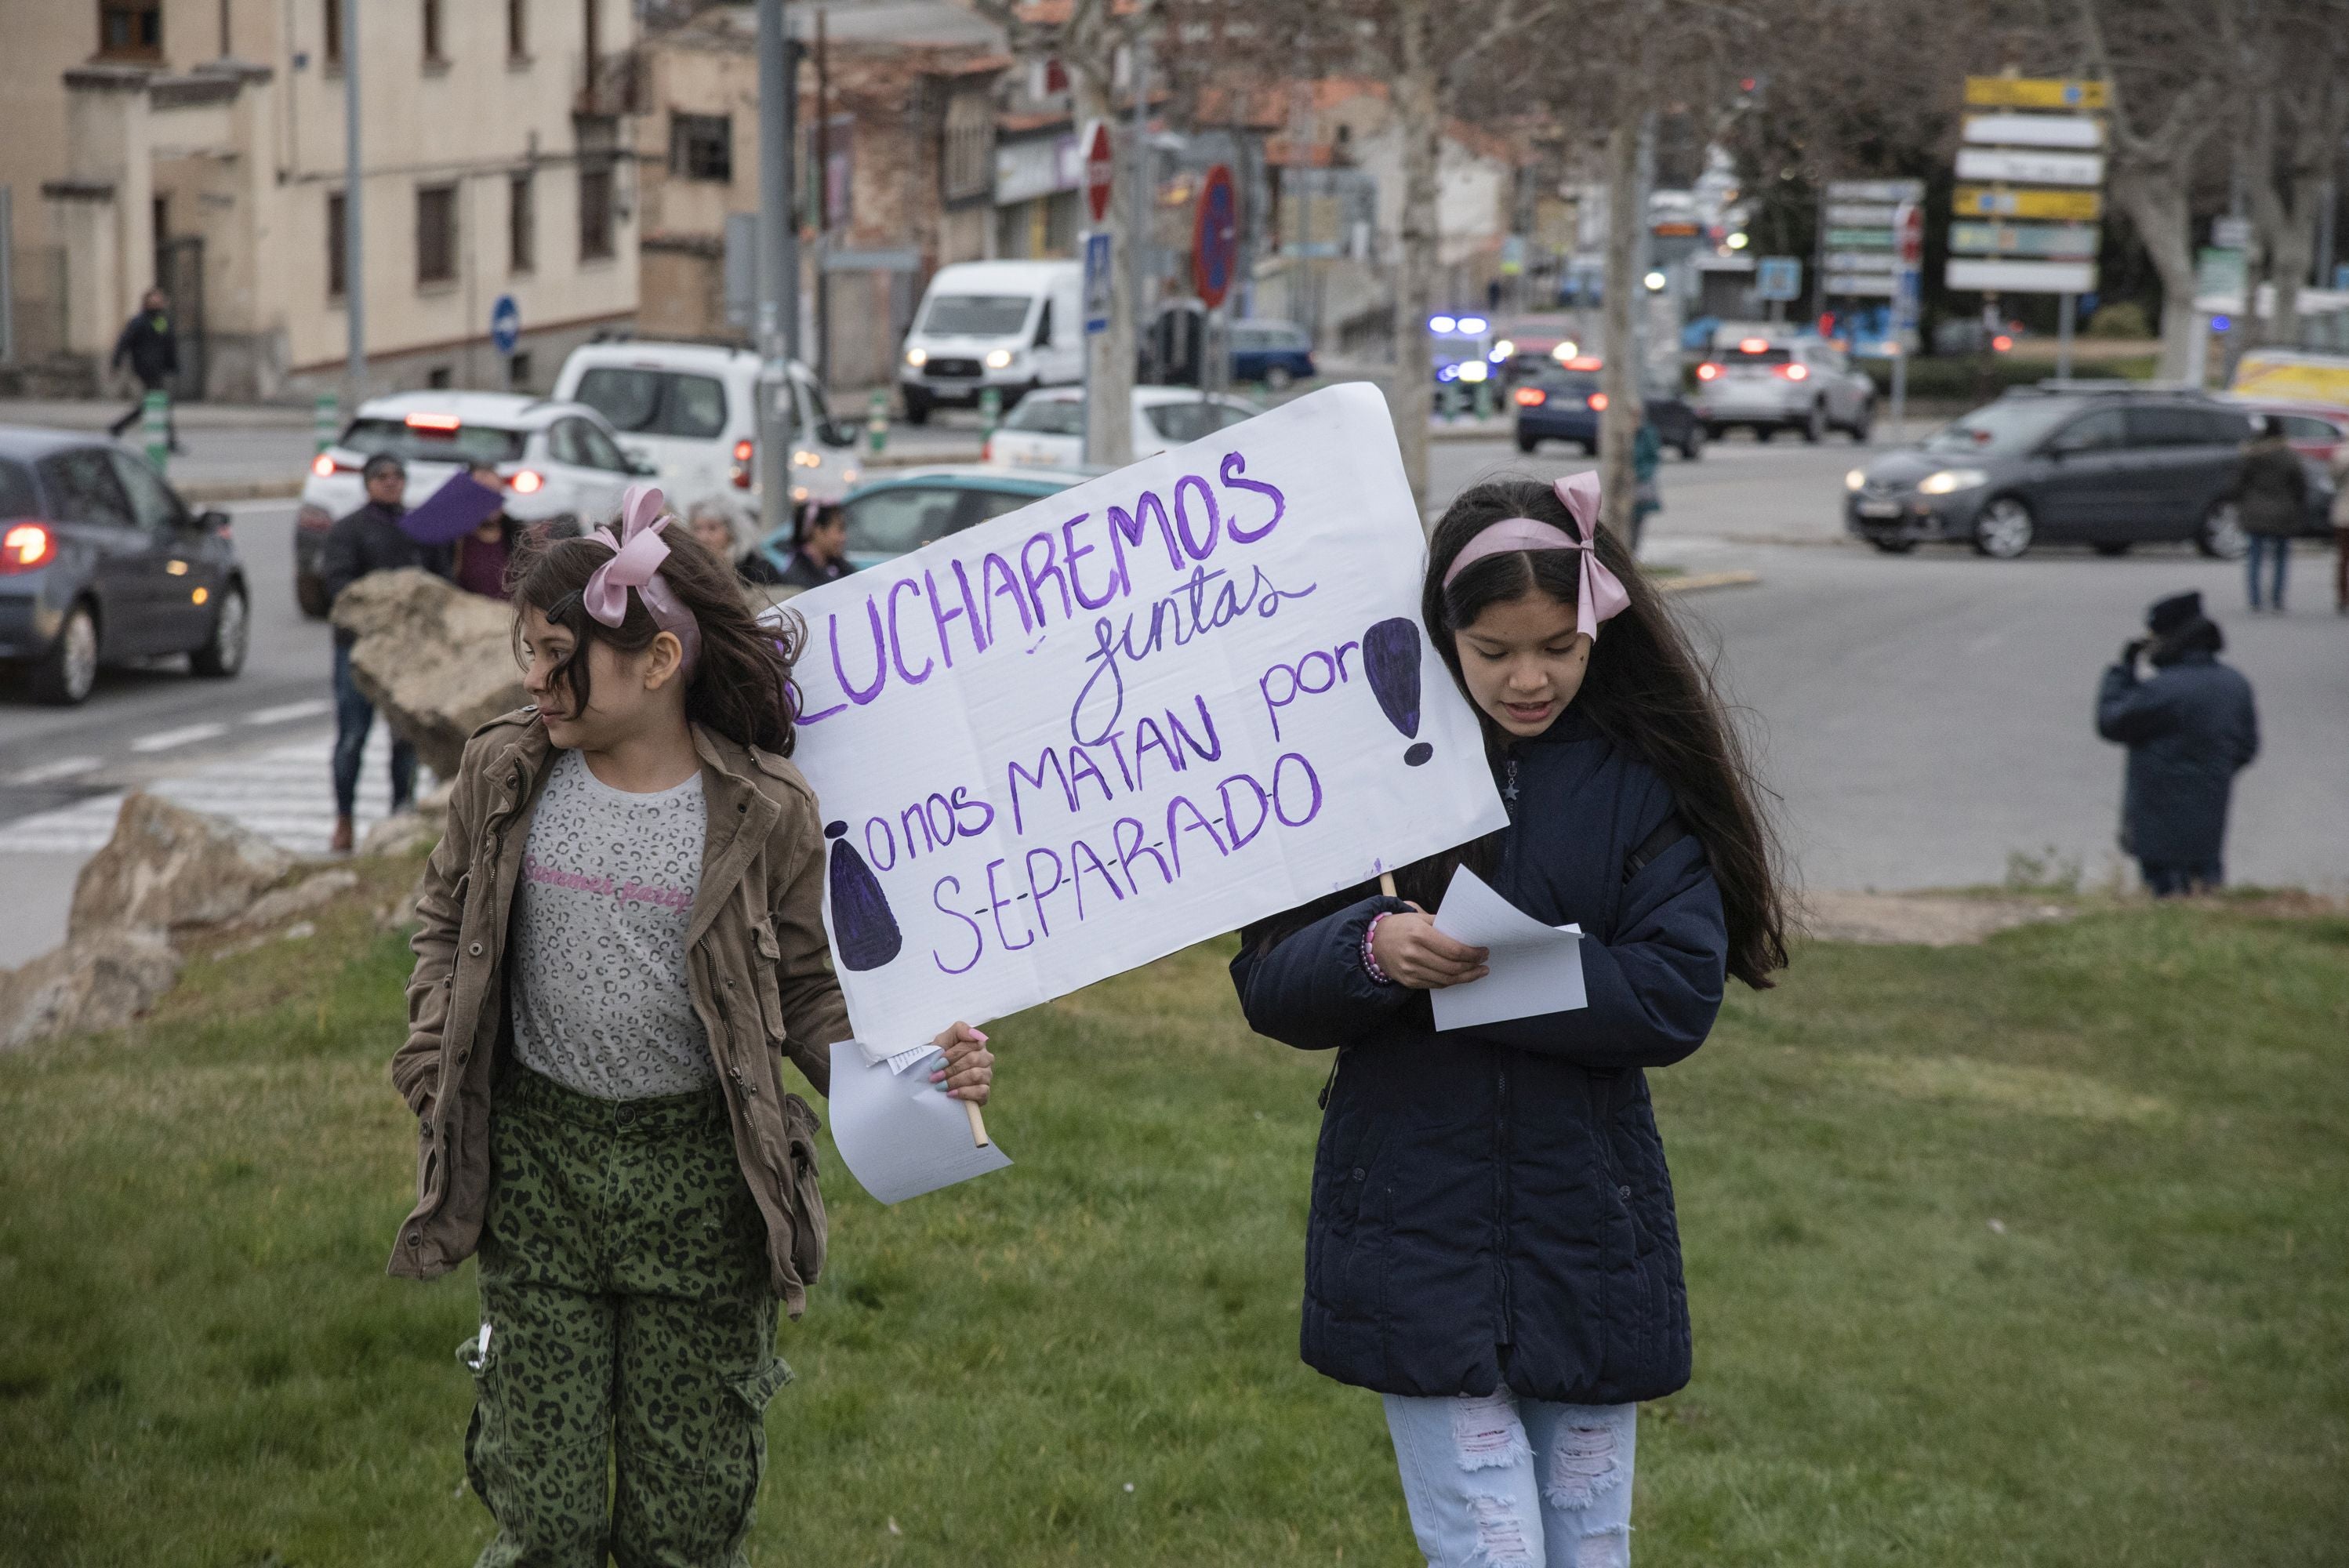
pixel 437 660
pixel 100 981
pixel 167 868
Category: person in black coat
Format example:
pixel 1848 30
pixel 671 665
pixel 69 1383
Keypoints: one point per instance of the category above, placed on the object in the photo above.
pixel 368 541
pixel 1493 1244
pixel 2189 729
pixel 150 347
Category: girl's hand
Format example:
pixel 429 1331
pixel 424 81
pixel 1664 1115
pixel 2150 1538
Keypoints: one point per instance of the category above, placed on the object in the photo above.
pixel 1411 951
pixel 969 1069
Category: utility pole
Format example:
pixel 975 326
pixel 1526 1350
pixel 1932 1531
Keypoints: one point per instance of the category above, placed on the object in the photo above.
pixel 822 205
pixel 354 204
pixel 778 263
pixel 1143 196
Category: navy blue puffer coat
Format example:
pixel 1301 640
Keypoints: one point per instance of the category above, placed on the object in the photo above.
pixel 1491 1205
pixel 2189 730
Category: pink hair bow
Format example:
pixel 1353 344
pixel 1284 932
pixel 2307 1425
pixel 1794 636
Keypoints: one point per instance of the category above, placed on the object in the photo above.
pixel 1600 595
pixel 636 557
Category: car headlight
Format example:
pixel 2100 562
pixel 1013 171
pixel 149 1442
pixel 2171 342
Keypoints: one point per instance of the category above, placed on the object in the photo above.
pixel 1948 482
pixel 917 357
pixel 998 358
pixel 1855 479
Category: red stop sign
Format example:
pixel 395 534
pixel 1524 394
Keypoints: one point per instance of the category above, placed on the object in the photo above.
pixel 1099 166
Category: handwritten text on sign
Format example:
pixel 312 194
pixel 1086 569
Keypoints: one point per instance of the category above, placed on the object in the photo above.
pixel 1132 716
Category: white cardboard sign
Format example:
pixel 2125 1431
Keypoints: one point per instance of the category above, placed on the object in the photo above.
pixel 1135 714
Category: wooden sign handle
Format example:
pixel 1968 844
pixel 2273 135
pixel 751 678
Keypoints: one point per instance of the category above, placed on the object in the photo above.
pixel 1386 884
pixel 977 1124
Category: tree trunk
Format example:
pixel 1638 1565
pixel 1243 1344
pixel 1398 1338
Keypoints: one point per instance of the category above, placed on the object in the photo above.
pixel 1109 401
pixel 1619 376
pixel 2155 198
pixel 1419 120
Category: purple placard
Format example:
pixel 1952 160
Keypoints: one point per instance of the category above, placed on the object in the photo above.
pixel 453 511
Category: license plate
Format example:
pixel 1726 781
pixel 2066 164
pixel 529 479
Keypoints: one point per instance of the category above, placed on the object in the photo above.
pixel 1884 509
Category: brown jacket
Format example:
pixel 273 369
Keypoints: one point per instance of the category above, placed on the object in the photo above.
pixel 757 962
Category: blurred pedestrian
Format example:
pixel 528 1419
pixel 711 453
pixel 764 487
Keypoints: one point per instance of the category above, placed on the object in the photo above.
pixel 713 525
pixel 478 562
pixel 2341 530
pixel 151 349
pixel 368 541
pixel 821 553
pixel 2189 728
pixel 2272 497
pixel 1647 457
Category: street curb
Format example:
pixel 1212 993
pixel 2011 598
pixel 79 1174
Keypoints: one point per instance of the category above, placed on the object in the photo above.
pixel 1698 583
pixel 920 461
pixel 198 492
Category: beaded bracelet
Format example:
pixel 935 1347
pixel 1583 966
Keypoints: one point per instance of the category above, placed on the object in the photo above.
pixel 1369 959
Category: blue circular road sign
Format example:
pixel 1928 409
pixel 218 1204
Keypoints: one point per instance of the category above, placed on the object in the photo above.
pixel 1216 241
pixel 505 325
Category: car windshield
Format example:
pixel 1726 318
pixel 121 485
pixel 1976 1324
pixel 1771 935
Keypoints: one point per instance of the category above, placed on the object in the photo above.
pixel 1191 420
pixel 1567 381
pixel 16 495
pixel 2009 425
pixel 906 517
pixel 1738 355
pixel 1048 417
pixel 656 402
pixel 977 316
pixel 434 443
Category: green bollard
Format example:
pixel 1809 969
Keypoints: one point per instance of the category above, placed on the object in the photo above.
pixel 990 410
pixel 876 424
pixel 326 419
pixel 154 423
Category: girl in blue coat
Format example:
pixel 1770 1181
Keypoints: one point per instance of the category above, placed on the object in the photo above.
pixel 1492 1244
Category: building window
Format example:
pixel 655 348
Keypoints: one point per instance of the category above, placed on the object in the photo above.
pixel 337 241
pixel 594 211
pixel 436 235
pixel 701 147
pixel 130 29
pixel 521 225
pixel 433 54
pixel 968 169
pixel 437 378
pixel 517 29
pixel 331 13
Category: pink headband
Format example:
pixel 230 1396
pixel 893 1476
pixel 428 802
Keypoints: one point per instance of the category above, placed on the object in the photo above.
pixel 1601 596
pixel 636 557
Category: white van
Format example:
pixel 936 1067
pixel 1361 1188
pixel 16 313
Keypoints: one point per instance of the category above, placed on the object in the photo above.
pixel 1013 325
pixel 689 410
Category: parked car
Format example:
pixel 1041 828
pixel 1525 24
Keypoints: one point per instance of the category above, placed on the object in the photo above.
pixel 1564 402
pixel 690 411
pixel 1048 430
pixel 899 514
pixel 1273 352
pixel 558 459
pixel 100 560
pixel 1011 325
pixel 2108 468
pixel 1773 383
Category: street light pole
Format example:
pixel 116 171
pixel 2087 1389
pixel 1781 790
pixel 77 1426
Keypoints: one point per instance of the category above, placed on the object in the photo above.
pixel 778 265
pixel 354 250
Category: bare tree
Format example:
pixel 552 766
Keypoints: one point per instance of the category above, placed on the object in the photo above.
pixel 2291 65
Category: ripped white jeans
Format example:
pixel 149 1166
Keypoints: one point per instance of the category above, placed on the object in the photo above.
pixel 1505 1482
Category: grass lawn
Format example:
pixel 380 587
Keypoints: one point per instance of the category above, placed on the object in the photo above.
pixel 2030 1252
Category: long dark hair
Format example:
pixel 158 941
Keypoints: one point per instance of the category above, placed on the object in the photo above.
pixel 1644 689
pixel 741 684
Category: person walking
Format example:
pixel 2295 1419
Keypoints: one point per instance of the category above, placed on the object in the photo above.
pixel 152 349
pixel 2271 497
pixel 822 555
pixel 2189 729
pixel 1647 498
pixel 1492 1244
pixel 618 941
pixel 711 522
pixel 2341 530
pixel 368 541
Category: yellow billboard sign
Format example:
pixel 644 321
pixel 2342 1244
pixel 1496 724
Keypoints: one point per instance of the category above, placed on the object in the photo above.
pixel 2293 378
pixel 1991 201
pixel 2034 92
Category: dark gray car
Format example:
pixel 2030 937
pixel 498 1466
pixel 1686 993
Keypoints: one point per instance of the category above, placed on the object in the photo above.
pixel 100 560
pixel 2106 468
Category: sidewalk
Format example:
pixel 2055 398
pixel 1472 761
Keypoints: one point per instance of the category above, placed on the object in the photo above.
pixel 235 451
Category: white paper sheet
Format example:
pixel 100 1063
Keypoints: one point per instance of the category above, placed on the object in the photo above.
pixel 901 1137
pixel 1535 968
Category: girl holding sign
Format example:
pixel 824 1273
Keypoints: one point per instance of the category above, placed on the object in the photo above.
pixel 1492 1244
pixel 618 942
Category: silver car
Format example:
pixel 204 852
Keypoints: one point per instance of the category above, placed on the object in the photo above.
pixel 1771 384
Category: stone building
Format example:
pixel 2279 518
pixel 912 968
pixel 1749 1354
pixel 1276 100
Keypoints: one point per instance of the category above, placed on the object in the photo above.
pixel 200 144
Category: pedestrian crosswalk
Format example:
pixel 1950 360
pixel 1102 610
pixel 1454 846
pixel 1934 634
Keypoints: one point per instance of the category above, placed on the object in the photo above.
pixel 284 793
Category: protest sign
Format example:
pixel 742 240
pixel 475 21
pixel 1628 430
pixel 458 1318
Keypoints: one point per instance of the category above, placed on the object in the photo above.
pixel 1136 714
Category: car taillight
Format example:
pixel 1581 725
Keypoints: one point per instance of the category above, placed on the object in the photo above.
pixel 323 466
pixel 1598 401
pixel 743 451
pixel 1708 372
pixel 1531 396
pixel 25 546
pixel 987 450
pixel 527 481
pixel 2002 343
pixel 1793 372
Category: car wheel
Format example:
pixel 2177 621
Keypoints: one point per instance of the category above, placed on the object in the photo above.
pixel 917 407
pixel 1692 444
pixel 310 592
pixel 1814 424
pixel 2112 547
pixel 1861 426
pixel 1589 449
pixel 2004 529
pixel 1714 432
pixel 223 653
pixel 1277 378
pixel 1894 546
pixel 1763 433
pixel 69 671
pixel 2220 535
pixel 1527 443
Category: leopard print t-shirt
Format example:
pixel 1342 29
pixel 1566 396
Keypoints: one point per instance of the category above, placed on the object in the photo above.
pixel 599 994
